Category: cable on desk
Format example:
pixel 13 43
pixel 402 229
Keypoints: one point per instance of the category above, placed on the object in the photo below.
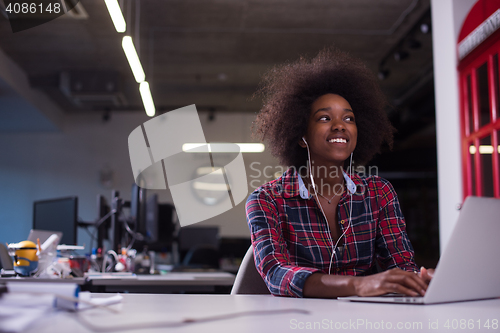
pixel 186 321
pixel 105 261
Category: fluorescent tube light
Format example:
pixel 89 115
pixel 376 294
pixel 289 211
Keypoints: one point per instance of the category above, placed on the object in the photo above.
pixel 223 147
pixel 210 186
pixel 147 99
pixel 201 171
pixel 116 15
pixel 133 59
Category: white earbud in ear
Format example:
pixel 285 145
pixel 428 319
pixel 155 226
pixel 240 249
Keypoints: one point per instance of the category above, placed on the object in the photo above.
pixel 304 139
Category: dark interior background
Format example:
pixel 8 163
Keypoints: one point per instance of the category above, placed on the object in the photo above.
pixel 213 52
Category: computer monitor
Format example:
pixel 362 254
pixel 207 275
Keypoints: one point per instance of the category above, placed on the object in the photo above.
pixel 198 246
pixel 152 218
pixel 190 237
pixel 138 209
pixel 59 215
pixel 160 227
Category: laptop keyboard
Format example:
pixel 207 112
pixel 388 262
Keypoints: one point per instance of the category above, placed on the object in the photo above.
pixel 399 295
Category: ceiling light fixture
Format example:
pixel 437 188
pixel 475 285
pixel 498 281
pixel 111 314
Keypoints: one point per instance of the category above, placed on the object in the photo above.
pixel 210 186
pixel 116 15
pixel 147 98
pixel 132 56
pixel 407 43
pixel 425 28
pixel 202 171
pixel 133 59
pixel 223 147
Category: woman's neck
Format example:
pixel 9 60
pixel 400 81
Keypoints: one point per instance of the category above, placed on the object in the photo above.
pixel 329 180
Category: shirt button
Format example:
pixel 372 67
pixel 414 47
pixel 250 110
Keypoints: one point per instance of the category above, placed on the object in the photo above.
pixel 338 269
pixel 342 222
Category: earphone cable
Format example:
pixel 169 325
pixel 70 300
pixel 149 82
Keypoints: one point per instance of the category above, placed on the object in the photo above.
pixel 321 207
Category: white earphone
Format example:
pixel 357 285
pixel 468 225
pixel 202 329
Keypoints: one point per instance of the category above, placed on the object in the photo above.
pixel 351 188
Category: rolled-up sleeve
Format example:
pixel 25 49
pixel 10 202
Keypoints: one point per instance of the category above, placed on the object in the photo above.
pixel 394 248
pixel 272 259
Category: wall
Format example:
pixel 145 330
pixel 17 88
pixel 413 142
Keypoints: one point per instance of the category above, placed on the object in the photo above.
pixel 43 165
pixel 447 19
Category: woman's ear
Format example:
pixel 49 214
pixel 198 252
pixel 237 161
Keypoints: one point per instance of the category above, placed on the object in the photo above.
pixel 302 142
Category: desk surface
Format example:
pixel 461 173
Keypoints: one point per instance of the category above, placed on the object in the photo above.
pixel 175 282
pixel 169 279
pixel 152 313
pixel 79 281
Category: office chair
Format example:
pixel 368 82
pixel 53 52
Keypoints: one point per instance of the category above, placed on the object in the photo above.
pixel 248 280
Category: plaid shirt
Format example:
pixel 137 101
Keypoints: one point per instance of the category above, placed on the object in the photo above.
pixel 291 237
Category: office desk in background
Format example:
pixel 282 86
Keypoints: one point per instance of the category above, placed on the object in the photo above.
pixel 79 281
pixel 174 282
pixel 257 313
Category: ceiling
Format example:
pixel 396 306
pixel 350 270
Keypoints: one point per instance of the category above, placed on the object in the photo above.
pixel 212 53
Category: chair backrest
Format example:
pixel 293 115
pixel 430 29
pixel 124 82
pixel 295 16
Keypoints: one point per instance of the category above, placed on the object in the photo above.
pixel 248 280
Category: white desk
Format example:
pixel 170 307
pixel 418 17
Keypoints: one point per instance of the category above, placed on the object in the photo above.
pixel 79 281
pixel 175 282
pixel 144 310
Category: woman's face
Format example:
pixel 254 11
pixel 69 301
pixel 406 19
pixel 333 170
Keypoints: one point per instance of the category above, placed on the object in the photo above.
pixel 332 132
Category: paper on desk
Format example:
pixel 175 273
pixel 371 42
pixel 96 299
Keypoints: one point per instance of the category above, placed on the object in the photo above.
pixel 110 276
pixel 87 296
pixel 18 311
pixel 70 290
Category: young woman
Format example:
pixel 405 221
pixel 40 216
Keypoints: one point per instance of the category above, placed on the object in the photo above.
pixel 319 231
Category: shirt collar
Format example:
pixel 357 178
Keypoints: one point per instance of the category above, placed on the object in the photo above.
pixel 293 185
pixel 304 193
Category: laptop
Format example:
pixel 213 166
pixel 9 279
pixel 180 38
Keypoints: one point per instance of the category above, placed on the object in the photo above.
pixel 43 235
pixel 469 268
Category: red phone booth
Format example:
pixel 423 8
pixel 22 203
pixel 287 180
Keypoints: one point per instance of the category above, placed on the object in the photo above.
pixel 478 51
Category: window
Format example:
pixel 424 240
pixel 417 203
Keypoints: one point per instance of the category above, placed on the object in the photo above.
pixel 480 117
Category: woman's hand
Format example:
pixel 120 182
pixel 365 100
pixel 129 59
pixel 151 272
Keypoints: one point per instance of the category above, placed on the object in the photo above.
pixel 393 281
pixel 426 274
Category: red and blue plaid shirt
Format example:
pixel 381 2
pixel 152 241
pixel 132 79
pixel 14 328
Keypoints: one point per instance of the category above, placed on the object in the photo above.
pixel 291 237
